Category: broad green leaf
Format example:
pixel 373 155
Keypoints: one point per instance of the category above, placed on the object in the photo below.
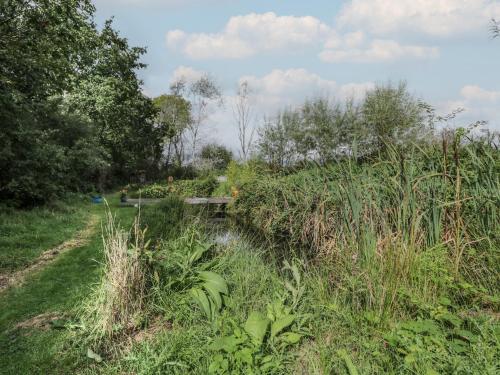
pixel 201 299
pixel 280 324
pixel 214 294
pixel 218 282
pixel 227 343
pixel 245 356
pixel 291 337
pixel 348 362
pixel 198 252
pixel 92 355
pixel 256 326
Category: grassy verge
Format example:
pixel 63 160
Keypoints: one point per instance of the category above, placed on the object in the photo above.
pixel 24 235
pixel 179 338
pixel 42 348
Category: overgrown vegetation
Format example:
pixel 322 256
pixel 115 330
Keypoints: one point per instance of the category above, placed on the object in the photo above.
pixel 202 187
pixel 365 241
pixel 74 120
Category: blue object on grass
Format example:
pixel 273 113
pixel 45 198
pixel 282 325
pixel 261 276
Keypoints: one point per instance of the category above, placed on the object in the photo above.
pixel 96 199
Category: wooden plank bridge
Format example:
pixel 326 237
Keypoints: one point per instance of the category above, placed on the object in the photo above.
pixel 220 201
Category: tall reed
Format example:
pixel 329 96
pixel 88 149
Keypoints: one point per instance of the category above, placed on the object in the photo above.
pixel 407 222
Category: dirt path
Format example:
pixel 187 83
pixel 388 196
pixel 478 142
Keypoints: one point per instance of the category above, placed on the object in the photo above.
pixel 17 278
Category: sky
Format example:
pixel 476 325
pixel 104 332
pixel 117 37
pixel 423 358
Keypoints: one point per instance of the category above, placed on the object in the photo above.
pixel 291 50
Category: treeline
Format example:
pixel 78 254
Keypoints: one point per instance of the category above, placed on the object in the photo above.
pixel 325 130
pixel 72 114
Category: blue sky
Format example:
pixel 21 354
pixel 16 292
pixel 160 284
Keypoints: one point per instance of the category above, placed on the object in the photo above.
pixel 290 50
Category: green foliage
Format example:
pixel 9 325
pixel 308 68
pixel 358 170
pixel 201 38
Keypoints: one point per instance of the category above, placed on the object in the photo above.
pixel 154 191
pixel 216 155
pixel 71 116
pixel 439 342
pixel 239 174
pixel 407 219
pixel 390 116
pixel 261 345
pixel 323 130
pixel 183 188
pixel 187 268
pixel 174 116
pixel 163 220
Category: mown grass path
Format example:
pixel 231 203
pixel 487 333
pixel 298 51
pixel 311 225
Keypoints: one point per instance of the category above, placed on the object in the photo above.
pixel 28 343
pixel 17 278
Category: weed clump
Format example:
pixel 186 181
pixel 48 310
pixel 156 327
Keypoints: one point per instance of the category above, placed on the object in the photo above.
pixel 118 302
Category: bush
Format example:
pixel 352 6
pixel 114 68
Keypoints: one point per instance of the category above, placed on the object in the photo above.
pixel 155 191
pixel 183 188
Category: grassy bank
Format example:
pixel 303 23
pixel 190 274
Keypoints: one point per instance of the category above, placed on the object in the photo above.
pixel 51 296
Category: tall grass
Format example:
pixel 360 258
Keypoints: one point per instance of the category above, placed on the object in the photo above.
pixel 410 222
pixel 119 300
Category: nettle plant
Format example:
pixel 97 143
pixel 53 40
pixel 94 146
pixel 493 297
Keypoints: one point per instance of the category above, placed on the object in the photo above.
pixel 261 344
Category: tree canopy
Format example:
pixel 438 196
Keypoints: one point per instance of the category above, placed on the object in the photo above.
pixel 71 106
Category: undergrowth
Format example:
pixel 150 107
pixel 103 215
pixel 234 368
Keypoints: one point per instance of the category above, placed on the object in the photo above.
pixel 381 266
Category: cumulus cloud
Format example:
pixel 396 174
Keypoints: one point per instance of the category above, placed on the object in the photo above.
pixel 476 93
pixel 245 36
pixel 289 87
pixel 432 17
pixel 479 104
pixel 186 73
pixel 378 50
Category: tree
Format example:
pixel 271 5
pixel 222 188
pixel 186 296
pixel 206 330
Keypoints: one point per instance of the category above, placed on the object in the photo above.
pixel 328 128
pixel 203 94
pixel 275 144
pixel 391 115
pixel 109 92
pixel 173 118
pixel 71 105
pixel 242 112
pixel 218 155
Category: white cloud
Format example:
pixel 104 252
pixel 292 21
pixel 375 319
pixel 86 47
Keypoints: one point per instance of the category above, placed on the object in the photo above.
pixel 476 93
pixel 479 104
pixel 290 87
pixel 187 73
pixel 432 17
pixel 244 36
pixel 379 50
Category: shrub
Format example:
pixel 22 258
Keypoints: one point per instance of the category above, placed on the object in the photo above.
pixel 155 191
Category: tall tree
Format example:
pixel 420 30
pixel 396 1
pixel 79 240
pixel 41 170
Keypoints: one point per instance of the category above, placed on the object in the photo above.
pixel 243 115
pixel 203 94
pixel 70 100
pixel 391 115
pixel 174 117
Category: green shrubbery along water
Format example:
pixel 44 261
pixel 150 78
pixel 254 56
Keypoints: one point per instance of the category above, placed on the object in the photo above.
pixel 183 188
